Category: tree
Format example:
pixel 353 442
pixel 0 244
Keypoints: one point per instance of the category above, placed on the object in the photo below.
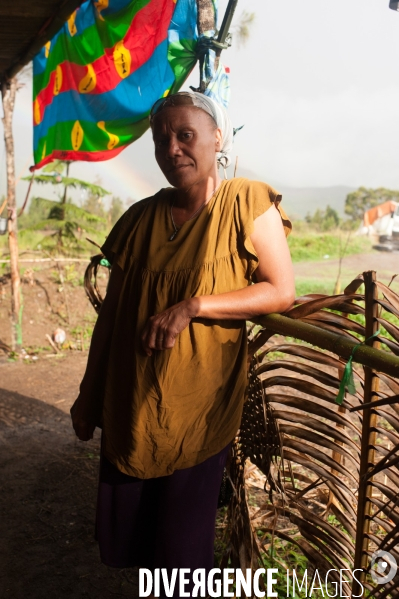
pixel 93 202
pixel 116 210
pixel 363 199
pixel 324 220
pixel 37 213
pixel 8 93
pixel 64 217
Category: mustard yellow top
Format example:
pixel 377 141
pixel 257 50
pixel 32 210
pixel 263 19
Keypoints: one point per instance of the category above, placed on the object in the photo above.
pixel 180 406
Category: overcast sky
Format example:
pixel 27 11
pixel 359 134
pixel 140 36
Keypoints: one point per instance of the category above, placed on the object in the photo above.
pixel 316 87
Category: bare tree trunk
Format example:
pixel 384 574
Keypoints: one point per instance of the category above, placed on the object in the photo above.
pixel 64 197
pixel 8 92
pixel 205 22
pixel 206 16
pixel 63 202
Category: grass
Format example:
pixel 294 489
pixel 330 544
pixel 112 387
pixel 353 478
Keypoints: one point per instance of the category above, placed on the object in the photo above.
pixel 308 246
pixel 306 286
pixel 41 241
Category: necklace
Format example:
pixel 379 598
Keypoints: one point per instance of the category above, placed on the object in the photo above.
pixel 177 229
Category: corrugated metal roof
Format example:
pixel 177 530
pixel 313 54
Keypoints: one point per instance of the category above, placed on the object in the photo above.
pixel 25 26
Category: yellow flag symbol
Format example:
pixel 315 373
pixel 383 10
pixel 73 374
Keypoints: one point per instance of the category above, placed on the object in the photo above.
pixel 113 139
pixel 89 81
pixel 101 5
pixel 77 135
pixel 57 80
pixel 36 112
pixel 71 24
pixel 122 60
pixel 44 150
pixel 47 49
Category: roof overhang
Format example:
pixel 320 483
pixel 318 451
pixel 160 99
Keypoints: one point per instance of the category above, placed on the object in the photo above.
pixel 25 26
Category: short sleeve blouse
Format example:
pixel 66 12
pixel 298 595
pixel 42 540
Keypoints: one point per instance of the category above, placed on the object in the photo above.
pixel 178 407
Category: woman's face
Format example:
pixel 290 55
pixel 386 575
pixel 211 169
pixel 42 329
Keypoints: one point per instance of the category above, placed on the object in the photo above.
pixel 186 141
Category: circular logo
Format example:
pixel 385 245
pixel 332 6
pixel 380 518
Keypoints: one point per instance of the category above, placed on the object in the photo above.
pixel 383 567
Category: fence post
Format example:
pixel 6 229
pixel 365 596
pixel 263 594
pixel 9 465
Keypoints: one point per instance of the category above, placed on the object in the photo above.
pixel 371 385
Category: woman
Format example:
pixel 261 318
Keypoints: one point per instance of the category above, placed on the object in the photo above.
pixel 166 374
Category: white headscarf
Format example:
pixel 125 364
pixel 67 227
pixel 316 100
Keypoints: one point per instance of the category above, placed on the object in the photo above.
pixel 219 115
pixel 223 122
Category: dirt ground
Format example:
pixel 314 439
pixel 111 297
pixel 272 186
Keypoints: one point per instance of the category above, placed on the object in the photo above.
pixel 52 297
pixel 47 546
pixel 48 497
pixel 47 502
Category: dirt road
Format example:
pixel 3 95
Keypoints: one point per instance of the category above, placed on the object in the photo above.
pixel 385 264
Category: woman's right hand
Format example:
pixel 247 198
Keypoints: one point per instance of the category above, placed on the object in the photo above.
pixel 83 428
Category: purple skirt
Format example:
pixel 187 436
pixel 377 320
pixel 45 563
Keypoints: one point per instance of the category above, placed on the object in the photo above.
pixel 166 522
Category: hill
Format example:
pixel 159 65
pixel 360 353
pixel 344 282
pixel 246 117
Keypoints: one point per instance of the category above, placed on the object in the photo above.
pixel 298 201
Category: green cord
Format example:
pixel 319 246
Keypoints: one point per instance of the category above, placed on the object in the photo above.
pixel 104 262
pixel 347 381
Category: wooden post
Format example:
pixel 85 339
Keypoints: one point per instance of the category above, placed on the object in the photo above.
pixel 8 93
pixel 205 22
pixel 371 382
pixel 63 203
pixel 206 16
pixel 64 197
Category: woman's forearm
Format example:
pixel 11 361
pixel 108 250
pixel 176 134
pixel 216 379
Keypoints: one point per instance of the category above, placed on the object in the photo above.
pixel 256 299
pixel 162 329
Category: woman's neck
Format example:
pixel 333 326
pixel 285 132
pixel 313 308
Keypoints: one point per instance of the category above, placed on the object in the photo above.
pixel 189 200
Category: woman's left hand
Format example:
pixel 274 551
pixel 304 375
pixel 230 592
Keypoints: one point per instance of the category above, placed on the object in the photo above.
pixel 161 330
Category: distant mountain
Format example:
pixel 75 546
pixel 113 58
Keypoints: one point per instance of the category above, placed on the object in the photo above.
pixel 298 201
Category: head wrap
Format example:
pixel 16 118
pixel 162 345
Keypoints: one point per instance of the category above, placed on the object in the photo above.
pixel 215 110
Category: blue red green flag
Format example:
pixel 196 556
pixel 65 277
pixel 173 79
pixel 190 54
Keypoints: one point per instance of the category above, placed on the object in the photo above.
pixel 94 83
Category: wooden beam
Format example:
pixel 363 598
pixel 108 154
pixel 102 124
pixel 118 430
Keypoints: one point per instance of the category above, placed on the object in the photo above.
pixel 378 359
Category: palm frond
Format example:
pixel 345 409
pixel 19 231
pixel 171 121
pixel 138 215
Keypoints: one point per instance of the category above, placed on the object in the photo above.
pixel 311 450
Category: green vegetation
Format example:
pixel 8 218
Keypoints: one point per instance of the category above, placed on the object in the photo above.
pixel 61 226
pixel 286 557
pixel 363 199
pixel 307 286
pixel 306 245
pixel 65 220
pixel 325 235
pixel 324 220
pixel 279 554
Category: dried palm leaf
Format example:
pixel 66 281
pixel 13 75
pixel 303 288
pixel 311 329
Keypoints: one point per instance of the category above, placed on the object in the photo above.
pixel 315 454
